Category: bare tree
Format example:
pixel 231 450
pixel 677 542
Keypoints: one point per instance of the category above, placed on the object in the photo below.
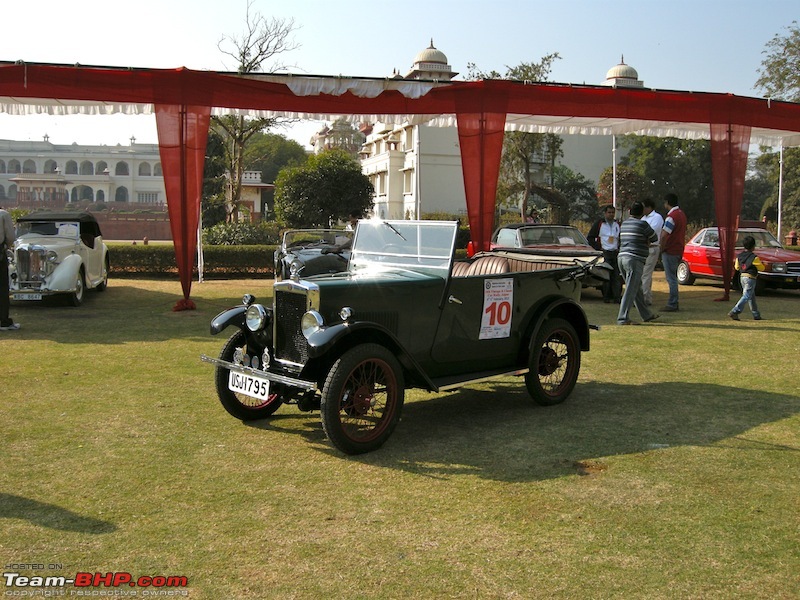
pixel 263 40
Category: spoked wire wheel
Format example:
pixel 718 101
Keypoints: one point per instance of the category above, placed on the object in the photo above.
pixel 554 362
pixel 362 399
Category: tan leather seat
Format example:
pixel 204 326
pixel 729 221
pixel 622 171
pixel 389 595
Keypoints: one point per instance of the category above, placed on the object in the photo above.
pixel 489 265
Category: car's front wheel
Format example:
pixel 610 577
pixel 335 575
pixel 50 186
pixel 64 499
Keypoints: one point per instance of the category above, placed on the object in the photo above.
pixel 555 362
pixel 684 274
pixel 240 405
pixel 362 399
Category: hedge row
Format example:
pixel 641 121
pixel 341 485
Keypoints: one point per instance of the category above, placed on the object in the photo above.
pixel 154 260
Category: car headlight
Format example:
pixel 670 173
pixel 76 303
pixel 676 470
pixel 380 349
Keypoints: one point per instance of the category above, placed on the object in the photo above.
pixel 51 256
pixel 779 267
pixel 295 268
pixel 311 322
pixel 10 255
pixel 255 317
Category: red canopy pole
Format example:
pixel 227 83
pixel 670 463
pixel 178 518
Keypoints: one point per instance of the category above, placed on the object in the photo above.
pixel 182 137
pixel 729 150
pixel 481 122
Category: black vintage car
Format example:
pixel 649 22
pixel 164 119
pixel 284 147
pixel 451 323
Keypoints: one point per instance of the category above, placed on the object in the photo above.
pixel 307 252
pixel 403 315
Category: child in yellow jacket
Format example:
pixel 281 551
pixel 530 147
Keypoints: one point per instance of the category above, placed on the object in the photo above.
pixel 748 265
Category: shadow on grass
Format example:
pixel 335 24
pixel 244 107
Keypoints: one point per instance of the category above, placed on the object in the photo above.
pixel 496 432
pixel 50 515
pixel 122 313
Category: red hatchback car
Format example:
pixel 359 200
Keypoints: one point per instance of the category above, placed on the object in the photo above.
pixel 701 258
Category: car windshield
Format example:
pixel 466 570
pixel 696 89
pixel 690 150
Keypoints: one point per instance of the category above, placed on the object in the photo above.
pixel 415 245
pixel 67 229
pixel 316 237
pixel 552 236
pixel 764 239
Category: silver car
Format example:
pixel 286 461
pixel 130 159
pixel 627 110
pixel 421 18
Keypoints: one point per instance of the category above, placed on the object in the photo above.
pixel 57 254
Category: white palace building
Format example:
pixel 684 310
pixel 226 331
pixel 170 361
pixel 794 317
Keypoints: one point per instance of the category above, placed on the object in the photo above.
pixel 41 173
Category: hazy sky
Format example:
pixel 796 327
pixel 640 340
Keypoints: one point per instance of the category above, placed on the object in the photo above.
pixel 697 45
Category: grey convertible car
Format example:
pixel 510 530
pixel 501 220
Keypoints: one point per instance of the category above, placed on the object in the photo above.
pixel 312 251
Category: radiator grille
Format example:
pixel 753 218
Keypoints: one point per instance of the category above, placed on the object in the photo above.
pixel 290 344
pixel 793 268
pixel 31 266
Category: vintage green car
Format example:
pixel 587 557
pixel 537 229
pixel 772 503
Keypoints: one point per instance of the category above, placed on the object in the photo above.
pixel 404 315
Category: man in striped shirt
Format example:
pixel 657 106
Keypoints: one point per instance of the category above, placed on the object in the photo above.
pixel 635 237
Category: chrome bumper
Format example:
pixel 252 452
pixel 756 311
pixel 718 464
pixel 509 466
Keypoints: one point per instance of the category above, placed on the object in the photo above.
pixel 285 380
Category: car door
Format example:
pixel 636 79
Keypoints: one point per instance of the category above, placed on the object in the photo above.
pixel 475 330
pixel 702 253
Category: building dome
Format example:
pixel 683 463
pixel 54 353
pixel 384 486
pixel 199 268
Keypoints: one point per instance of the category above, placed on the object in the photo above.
pixel 623 75
pixel 431 55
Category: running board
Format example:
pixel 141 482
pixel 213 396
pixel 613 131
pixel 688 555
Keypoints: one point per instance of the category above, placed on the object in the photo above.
pixel 444 384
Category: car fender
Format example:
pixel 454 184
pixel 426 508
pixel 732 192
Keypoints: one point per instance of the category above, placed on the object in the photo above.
pixel 63 277
pixel 231 316
pixel 336 339
pixel 566 308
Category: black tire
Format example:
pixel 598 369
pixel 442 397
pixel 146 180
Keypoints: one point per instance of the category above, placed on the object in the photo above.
pixel 101 287
pixel 362 399
pixel 76 298
pixel 684 274
pixel 554 364
pixel 241 406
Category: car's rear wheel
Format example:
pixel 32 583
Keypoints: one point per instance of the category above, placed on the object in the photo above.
pixel 554 364
pixel 684 274
pixel 240 405
pixel 76 297
pixel 362 399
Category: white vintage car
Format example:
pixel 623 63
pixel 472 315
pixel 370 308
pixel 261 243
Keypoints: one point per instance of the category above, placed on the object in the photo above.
pixel 57 254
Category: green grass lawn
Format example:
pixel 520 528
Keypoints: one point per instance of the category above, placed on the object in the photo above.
pixel 673 471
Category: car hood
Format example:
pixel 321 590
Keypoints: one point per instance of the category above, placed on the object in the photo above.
pixel 777 255
pixel 50 242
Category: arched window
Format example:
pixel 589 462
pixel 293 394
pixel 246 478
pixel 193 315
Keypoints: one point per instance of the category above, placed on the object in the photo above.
pixel 101 168
pixel 121 169
pixel 12 191
pixel 144 169
pixel 50 166
pixel 87 168
pixel 157 170
pixel 13 166
pixel 2 166
pixel 71 168
pixel 2 192
pixel 101 196
pixel 83 192
pixel 29 166
pixel 121 195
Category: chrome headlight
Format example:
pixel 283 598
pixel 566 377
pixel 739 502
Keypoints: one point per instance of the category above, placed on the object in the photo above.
pixel 779 267
pixel 51 256
pixel 255 317
pixel 311 322
pixel 346 313
pixel 295 268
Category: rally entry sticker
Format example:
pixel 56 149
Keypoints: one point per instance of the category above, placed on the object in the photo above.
pixel 498 300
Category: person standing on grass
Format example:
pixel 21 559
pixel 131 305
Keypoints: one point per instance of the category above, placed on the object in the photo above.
pixel 656 221
pixel 635 235
pixel 673 240
pixel 7 237
pixel 748 264
pixel 604 235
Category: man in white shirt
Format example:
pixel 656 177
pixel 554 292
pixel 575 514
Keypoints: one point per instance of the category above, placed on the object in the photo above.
pixel 656 222
pixel 604 235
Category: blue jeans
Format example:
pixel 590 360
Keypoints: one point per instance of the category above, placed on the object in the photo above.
pixel 748 296
pixel 631 269
pixel 671 262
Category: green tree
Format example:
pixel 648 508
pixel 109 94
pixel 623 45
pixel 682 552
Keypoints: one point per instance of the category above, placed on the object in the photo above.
pixel 263 40
pixel 326 189
pixel 682 167
pixel 580 191
pixel 529 159
pixel 779 75
pixel 767 169
pixel 631 186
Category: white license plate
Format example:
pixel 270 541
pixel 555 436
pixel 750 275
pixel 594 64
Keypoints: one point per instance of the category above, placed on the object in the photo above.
pixel 26 297
pixel 256 387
